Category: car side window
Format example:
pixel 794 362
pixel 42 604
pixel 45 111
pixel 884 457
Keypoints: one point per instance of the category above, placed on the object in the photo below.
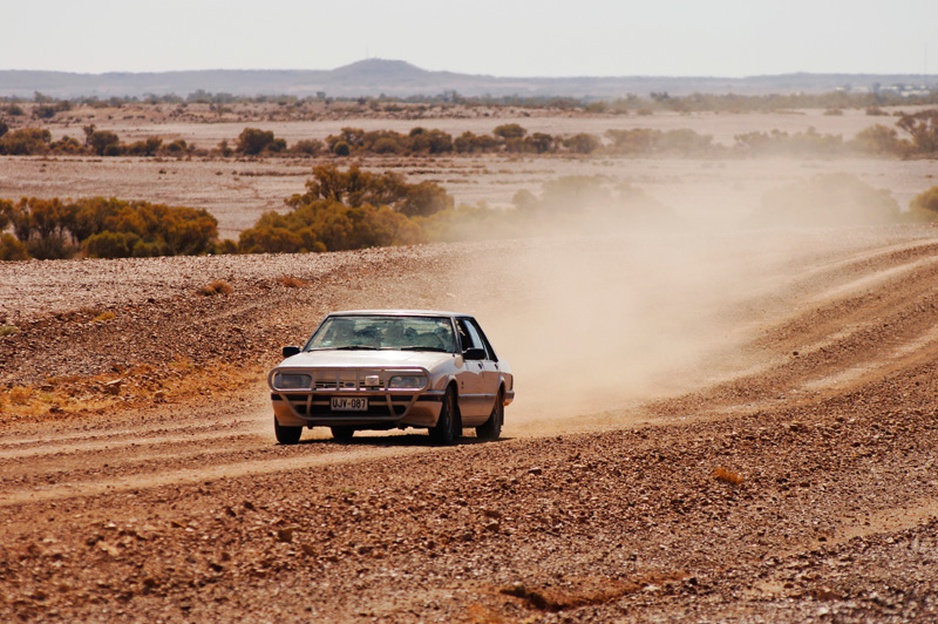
pixel 469 334
pixel 490 352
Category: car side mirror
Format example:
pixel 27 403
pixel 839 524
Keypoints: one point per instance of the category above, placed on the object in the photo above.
pixel 290 351
pixel 474 354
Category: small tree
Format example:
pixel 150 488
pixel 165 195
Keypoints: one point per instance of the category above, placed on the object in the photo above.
pixel 309 147
pixel 111 245
pixel 923 126
pixel 425 199
pixel 510 131
pixel 26 142
pixel 253 141
pixel 104 143
pixel 539 142
pixel 582 143
pixel 879 139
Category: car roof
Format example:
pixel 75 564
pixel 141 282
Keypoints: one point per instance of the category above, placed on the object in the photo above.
pixel 398 312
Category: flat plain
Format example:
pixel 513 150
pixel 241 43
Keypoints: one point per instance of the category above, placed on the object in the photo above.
pixel 713 423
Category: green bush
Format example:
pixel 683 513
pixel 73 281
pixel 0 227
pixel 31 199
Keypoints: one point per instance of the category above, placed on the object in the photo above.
pixel 329 226
pixel 26 142
pixel 828 200
pixel 253 141
pixel 510 131
pixel 110 244
pixel 309 147
pixel 582 143
pixel 108 228
pixel 778 143
pixel 104 143
pixel 11 248
pixel 880 140
pixel 924 206
pixel 349 209
pixel 148 147
pixel 355 187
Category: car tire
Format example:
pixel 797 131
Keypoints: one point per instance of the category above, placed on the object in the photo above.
pixel 287 435
pixel 448 427
pixel 343 434
pixel 491 429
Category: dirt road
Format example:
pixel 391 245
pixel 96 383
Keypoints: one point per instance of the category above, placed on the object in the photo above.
pixel 709 428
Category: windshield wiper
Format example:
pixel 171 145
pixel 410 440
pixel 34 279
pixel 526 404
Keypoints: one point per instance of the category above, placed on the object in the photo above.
pixel 438 349
pixel 356 348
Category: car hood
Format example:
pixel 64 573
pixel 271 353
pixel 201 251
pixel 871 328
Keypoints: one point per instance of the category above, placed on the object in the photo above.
pixel 366 359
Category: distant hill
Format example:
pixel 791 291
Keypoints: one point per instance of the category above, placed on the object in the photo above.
pixel 375 77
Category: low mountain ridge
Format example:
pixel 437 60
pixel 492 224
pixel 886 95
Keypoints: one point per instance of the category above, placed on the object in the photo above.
pixel 374 77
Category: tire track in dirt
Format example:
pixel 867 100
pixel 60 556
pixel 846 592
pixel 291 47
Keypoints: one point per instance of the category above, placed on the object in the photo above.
pixel 198 503
pixel 850 322
pixel 160 476
pixel 207 444
pixel 897 277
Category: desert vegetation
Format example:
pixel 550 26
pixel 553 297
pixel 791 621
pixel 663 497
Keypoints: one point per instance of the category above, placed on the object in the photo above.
pixel 24 127
pixel 828 200
pixel 102 228
pixel 879 140
pixel 355 209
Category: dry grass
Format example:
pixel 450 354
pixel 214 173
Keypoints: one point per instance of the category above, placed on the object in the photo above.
pixel 61 398
pixel 8 330
pixel 104 317
pixel 291 281
pixel 727 476
pixel 19 395
pixel 216 287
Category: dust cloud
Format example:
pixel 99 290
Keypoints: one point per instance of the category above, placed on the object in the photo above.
pixel 599 324
pixel 593 326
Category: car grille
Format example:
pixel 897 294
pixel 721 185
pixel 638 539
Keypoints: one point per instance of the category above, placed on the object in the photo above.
pixel 383 403
pixel 320 406
pixel 349 380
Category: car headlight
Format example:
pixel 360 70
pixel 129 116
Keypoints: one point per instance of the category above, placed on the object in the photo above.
pixel 292 381
pixel 409 382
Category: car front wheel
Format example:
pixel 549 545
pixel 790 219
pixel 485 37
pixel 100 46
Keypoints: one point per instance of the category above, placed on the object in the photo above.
pixel 287 435
pixel 448 427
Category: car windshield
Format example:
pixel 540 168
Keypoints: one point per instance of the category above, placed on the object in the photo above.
pixel 401 333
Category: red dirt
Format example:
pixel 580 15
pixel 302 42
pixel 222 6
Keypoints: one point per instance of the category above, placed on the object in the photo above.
pixel 754 439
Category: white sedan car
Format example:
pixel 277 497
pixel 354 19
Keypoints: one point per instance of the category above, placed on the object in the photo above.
pixel 385 369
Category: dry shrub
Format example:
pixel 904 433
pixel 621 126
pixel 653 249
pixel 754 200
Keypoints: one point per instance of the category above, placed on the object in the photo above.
pixel 217 287
pixel 63 397
pixel 20 395
pixel 727 476
pixel 8 330
pixel 291 281
pixel 103 317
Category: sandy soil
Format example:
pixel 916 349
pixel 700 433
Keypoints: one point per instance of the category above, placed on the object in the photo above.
pixel 764 452
pixel 712 424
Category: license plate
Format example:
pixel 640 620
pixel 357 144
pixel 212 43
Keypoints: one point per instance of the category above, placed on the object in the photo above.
pixel 349 404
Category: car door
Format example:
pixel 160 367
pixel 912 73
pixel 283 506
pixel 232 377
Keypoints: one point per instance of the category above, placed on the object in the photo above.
pixel 479 380
pixel 491 373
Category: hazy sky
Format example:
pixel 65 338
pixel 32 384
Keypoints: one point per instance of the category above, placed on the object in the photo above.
pixel 497 37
